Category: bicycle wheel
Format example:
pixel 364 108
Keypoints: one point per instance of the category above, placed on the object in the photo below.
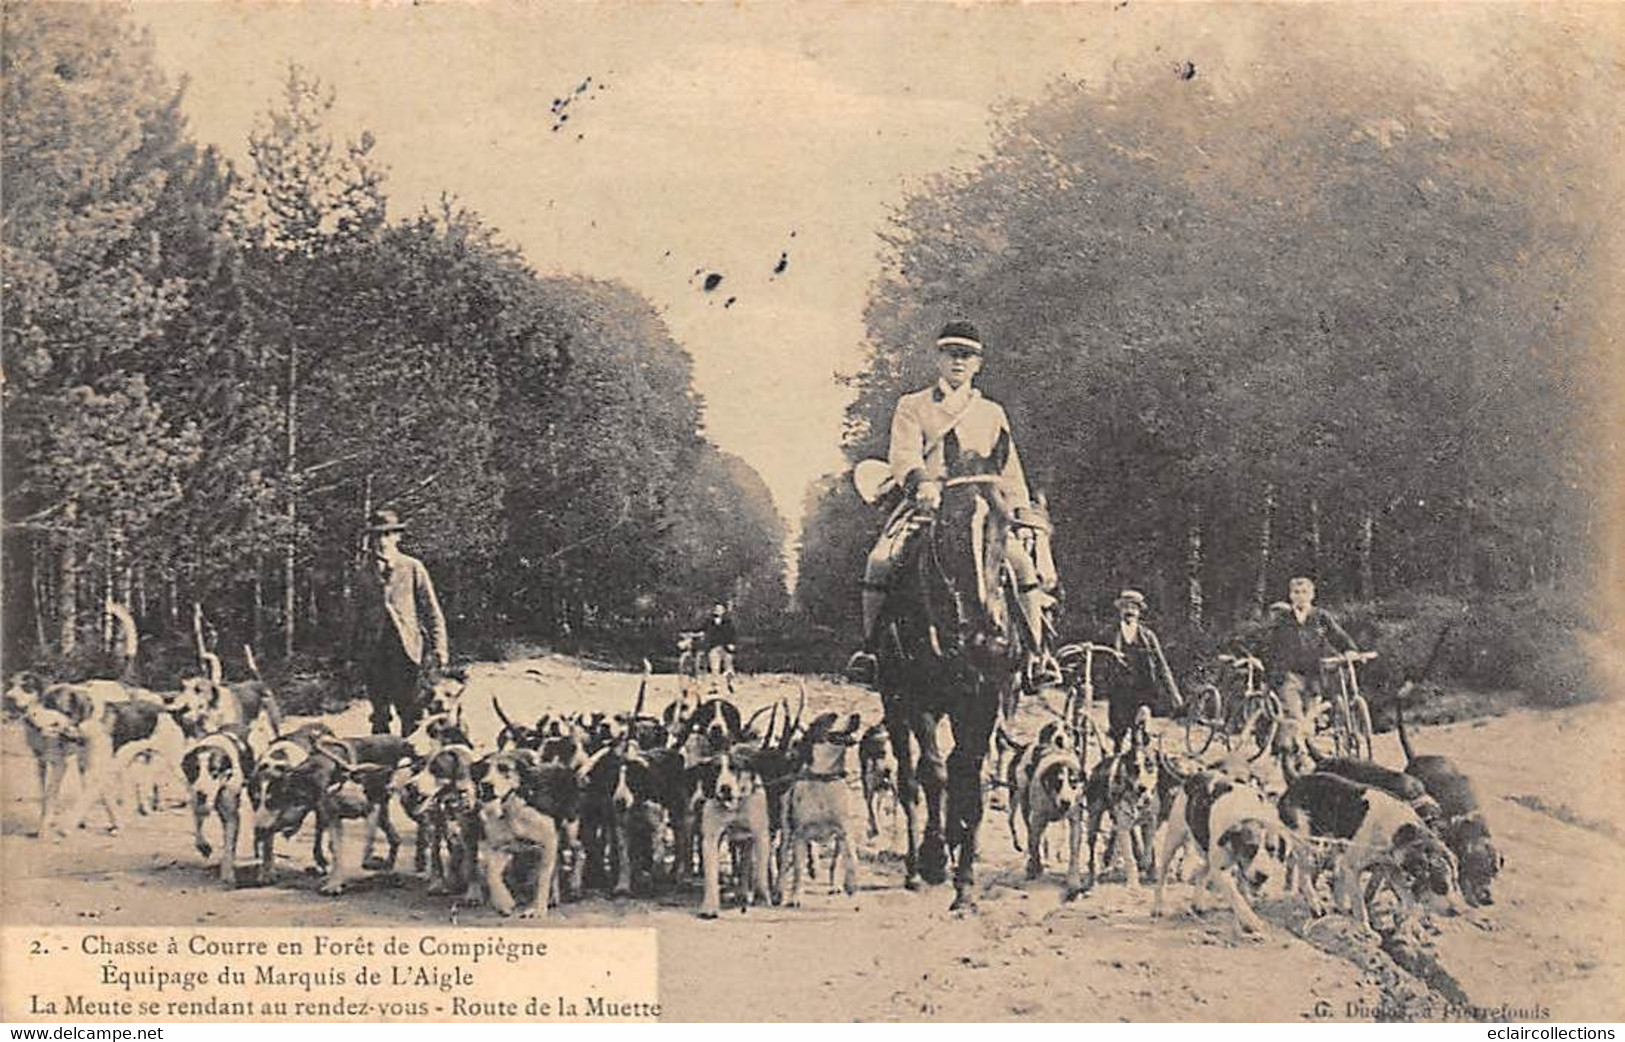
pixel 1261 737
pixel 1362 727
pixel 1204 719
pixel 1346 740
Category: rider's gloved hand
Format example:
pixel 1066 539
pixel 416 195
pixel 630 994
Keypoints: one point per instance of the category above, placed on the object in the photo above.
pixel 928 496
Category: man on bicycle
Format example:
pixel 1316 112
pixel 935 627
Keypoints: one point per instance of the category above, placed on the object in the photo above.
pixel 920 427
pixel 1296 641
pixel 721 640
pixel 1141 676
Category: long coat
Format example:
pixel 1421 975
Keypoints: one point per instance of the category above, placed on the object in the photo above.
pixel 400 597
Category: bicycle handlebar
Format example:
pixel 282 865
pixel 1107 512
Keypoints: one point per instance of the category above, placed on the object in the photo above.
pixel 1349 657
pixel 1242 661
pixel 1099 649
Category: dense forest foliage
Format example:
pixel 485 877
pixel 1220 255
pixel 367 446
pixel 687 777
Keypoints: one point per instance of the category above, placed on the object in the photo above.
pixel 214 374
pixel 1338 321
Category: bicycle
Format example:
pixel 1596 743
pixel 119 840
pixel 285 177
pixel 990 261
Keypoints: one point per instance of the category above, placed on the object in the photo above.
pixel 1077 663
pixel 690 655
pixel 1351 715
pixel 1254 716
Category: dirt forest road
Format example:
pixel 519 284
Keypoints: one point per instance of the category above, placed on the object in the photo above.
pixel 1553 785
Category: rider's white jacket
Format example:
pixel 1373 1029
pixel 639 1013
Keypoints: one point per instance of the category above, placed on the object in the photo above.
pixel 920 420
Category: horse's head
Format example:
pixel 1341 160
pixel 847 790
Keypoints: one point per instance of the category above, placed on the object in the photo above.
pixel 967 553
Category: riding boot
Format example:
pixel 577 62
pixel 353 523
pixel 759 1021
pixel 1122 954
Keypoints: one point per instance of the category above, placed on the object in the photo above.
pixel 1041 668
pixel 862 667
pixel 873 602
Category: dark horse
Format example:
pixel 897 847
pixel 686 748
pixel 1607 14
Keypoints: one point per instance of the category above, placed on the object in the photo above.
pixel 950 651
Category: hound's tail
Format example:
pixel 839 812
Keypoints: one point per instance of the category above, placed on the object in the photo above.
pixel 1410 684
pixel 507 725
pixel 1399 720
pixel 643 689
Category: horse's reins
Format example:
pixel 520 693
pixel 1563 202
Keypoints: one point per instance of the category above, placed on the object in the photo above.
pixel 976 479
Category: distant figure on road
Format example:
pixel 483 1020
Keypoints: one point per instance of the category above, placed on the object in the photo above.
pixel 721 640
pixel 398 622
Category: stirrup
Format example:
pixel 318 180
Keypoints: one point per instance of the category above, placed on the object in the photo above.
pixel 862 667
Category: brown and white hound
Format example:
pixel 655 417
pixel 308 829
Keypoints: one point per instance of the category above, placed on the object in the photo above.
pixel 816 806
pixel 1046 787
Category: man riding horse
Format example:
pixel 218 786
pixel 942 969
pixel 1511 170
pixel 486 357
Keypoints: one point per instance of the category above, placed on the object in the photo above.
pixel 941 593
pixel 921 430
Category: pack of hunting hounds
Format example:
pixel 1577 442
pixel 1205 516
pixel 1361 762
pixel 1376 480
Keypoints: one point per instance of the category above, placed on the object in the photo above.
pixel 633 801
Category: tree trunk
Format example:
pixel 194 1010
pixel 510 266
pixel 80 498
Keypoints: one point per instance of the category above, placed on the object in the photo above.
pixel 359 561
pixel 1368 527
pixel 257 621
pixel 313 616
pixel 172 601
pixel 67 602
pixel 1314 536
pixel 109 566
pixel 124 584
pixel 291 449
pixel 1193 574
pixel 1265 538
pixel 200 645
pixel 37 580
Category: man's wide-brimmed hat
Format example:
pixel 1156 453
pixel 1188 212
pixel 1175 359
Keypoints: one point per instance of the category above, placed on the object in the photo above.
pixel 1128 597
pixel 959 335
pixel 384 521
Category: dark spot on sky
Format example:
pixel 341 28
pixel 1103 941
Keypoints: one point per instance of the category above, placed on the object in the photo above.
pixel 792 234
pixel 561 105
pixel 1187 70
pixel 712 281
pixel 784 262
pixel 729 302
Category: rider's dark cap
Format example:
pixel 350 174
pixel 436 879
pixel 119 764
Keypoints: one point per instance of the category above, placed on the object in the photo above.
pixel 959 335
pixel 385 521
pixel 1134 597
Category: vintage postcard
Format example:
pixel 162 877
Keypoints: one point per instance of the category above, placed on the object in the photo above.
pixel 825 512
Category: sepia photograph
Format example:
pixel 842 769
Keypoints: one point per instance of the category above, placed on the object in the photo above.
pixel 1108 511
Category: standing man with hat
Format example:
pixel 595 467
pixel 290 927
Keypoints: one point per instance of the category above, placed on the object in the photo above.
pixel 398 621
pixel 1141 676
pixel 920 427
